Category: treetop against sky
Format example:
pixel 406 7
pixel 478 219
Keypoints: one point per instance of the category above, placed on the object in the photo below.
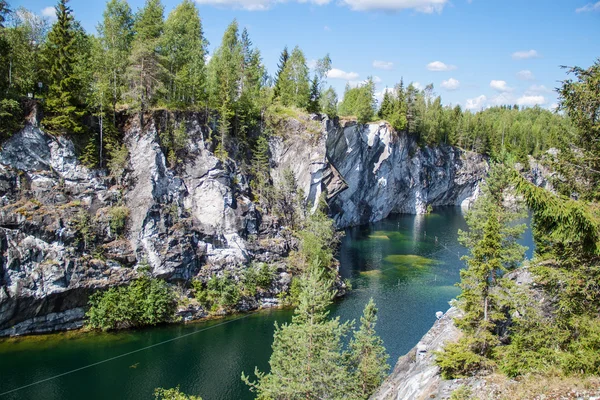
pixel 476 53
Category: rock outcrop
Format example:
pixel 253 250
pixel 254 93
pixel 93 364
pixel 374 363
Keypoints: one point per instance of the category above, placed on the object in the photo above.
pixel 416 376
pixel 387 172
pixel 194 219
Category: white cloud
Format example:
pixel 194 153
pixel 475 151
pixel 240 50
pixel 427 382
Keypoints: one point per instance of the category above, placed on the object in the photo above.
pixel 523 55
pixel 501 99
pixel 526 100
pixel 311 63
pixel 376 79
pixel 451 84
pixel 553 107
pixel 49 12
pixel 425 6
pixel 500 86
pixel 440 66
pixel 207 58
pixel 589 7
pixel 525 75
pixel 335 73
pixel 476 104
pixel 417 85
pixel 537 89
pixel 386 65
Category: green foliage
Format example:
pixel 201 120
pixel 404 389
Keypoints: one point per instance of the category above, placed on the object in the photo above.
pixel 368 358
pixel 294 87
pixel 359 102
pixel 463 392
pixel 461 359
pixel 173 394
pixel 309 359
pixel 116 35
pixel 184 48
pixel 328 102
pixel 145 301
pixel 85 228
pixel 117 217
pixel 119 158
pixel 579 162
pixel 318 238
pixel 174 141
pixel 257 276
pixel 492 241
pixel 146 73
pixel 11 118
pixel 64 110
pixel 218 292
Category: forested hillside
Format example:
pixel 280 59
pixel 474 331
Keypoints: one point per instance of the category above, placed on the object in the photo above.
pixel 144 60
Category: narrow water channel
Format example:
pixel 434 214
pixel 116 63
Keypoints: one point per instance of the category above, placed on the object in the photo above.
pixel 408 264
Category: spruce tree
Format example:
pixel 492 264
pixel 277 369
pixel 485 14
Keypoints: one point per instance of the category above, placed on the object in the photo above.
pixel 368 357
pixel 315 97
pixel 307 360
pixel 64 109
pixel 280 67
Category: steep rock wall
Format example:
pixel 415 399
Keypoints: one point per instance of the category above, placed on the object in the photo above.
pixel 387 172
pixel 194 219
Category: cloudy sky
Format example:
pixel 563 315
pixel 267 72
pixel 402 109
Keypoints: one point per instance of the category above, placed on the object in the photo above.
pixel 477 53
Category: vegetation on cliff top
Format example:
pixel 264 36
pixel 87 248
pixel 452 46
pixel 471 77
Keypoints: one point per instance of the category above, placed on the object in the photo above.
pixel 141 61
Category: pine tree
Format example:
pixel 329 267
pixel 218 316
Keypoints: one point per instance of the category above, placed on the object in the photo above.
pixel 368 357
pixel 63 105
pixel 307 360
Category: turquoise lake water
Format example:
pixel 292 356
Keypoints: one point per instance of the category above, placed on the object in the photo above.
pixel 408 264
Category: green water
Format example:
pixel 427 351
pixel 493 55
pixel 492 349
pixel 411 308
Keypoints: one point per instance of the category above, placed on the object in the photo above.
pixel 408 264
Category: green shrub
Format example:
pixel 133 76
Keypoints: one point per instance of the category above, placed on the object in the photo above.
pixel 458 360
pixel 118 219
pixel 11 118
pixel 119 156
pixel 218 292
pixel 462 393
pixel 85 228
pixel 173 394
pixel 145 301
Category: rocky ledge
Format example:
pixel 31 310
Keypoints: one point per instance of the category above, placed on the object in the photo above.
pixel 416 376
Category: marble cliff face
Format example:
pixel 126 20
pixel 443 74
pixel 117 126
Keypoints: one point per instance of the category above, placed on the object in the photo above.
pixel 197 219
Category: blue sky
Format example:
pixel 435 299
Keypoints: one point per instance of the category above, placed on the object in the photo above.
pixel 477 53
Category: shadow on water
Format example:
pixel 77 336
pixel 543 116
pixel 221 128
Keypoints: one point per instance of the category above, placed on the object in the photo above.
pixel 408 264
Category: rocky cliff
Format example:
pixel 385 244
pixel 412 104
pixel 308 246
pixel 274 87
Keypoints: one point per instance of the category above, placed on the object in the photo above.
pixel 194 220
pixel 388 172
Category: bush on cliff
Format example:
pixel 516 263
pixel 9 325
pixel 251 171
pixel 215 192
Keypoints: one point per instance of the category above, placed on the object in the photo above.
pixel 145 301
